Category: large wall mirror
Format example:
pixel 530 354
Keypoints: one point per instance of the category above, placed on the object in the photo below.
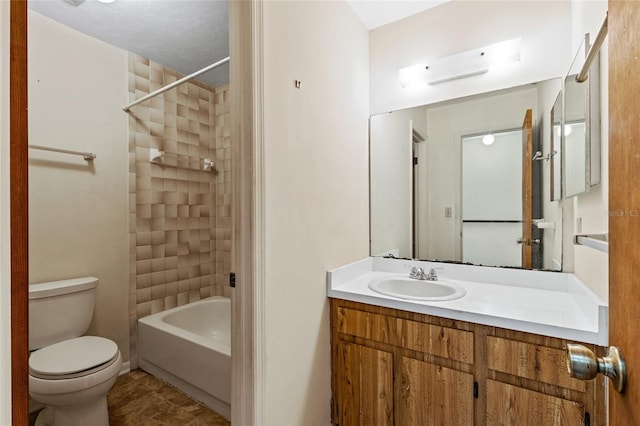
pixel 448 179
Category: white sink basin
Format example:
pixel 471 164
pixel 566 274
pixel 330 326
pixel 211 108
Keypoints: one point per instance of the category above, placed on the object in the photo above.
pixel 412 289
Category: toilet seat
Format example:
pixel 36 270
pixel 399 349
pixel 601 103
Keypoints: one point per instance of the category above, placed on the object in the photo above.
pixel 73 358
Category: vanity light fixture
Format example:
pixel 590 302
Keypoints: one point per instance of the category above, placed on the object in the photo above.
pixel 462 65
pixel 488 139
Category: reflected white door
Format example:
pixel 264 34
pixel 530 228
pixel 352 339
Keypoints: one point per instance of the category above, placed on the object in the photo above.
pixel 391 160
pixel 492 198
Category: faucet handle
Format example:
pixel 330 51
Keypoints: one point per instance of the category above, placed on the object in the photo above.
pixel 416 272
pixel 432 275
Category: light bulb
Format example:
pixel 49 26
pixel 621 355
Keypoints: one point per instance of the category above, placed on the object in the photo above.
pixel 567 129
pixel 488 139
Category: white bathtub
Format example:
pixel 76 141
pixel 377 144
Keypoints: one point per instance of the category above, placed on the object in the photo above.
pixel 190 348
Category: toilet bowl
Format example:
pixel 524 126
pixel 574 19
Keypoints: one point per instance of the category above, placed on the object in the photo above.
pixel 75 395
pixel 70 374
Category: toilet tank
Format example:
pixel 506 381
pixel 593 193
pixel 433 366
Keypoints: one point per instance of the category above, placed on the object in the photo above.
pixel 60 310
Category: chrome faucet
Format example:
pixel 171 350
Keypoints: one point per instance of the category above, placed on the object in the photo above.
pixel 419 274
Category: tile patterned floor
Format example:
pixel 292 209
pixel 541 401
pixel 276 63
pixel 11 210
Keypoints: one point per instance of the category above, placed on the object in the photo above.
pixel 139 399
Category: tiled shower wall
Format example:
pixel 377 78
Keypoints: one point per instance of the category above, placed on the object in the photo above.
pixel 179 214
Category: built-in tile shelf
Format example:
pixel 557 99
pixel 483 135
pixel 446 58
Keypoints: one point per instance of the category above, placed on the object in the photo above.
pixel 157 157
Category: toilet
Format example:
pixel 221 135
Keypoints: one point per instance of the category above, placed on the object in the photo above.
pixel 69 373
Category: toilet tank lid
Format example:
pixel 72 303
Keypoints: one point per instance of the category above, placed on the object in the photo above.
pixel 54 288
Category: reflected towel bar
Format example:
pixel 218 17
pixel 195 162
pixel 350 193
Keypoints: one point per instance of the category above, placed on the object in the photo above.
pixel 593 51
pixel 89 156
pixel 598 242
pixel 184 79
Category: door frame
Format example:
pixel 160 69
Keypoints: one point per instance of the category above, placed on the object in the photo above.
pixel 248 336
pixel 248 230
pixel 18 211
pixel 459 140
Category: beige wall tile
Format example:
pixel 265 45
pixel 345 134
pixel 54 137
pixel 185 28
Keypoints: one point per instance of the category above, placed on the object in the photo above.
pixel 177 241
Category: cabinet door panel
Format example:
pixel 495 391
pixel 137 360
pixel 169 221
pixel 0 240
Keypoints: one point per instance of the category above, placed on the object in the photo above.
pixel 365 386
pixel 444 342
pixel 434 395
pixel 539 363
pixel 511 405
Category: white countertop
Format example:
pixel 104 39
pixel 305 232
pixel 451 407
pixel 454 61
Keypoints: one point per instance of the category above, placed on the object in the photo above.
pixel 548 303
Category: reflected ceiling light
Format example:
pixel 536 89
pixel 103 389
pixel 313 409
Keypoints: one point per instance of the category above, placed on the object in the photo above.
pixel 462 65
pixel 106 1
pixel 488 139
pixel 567 129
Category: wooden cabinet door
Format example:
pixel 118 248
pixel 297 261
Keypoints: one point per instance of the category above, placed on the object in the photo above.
pixel 432 395
pixel 511 405
pixel 365 386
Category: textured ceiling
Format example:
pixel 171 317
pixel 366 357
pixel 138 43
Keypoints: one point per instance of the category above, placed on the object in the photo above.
pixel 187 35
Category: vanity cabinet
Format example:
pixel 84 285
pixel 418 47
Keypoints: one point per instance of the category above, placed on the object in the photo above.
pixel 393 367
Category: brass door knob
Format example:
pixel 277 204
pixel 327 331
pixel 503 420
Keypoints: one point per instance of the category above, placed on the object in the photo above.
pixel 583 364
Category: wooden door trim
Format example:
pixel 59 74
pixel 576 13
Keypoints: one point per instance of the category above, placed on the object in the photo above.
pixel 19 212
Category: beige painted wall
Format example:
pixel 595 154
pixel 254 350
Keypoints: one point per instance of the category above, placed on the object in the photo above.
pixel 316 192
pixel 78 210
pixel 457 26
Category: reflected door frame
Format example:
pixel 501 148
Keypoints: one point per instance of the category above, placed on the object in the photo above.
pixel 501 216
pixel 527 186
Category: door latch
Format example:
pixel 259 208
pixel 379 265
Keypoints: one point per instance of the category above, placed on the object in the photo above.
pixel 583 364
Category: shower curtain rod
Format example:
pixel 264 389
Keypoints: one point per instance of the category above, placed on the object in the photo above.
pixel 593 51
pixel 184 79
